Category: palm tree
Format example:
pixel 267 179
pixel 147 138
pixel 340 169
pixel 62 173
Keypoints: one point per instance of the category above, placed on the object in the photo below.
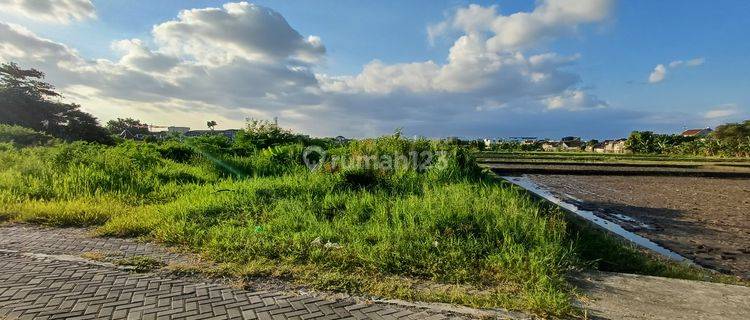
pixel 211 124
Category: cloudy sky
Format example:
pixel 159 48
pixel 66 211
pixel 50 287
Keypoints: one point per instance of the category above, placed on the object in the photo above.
pixel 547 68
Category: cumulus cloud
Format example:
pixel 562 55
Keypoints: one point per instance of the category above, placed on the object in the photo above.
pixel 57 11
pixel 486 69
pixel 240 68
pixel 550 19
pixel 237 30
pixel 660 71
pixel 243 60
pixel 658 74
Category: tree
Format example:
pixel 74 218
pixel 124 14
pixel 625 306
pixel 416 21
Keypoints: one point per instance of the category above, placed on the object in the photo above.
pixel 641 142
pixel 26 82
pixel 260 134
pixel 733 131
pixel 211 124
pixel 26 100
pixel 133 126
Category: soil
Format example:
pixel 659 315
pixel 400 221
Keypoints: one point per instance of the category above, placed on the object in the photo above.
pixel 620 169
pixel 706 220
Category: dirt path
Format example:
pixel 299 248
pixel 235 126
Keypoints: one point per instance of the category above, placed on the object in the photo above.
pixel 626 296
pixel 704 219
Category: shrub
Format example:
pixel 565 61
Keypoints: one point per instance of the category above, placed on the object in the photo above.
pixel 176 151
pixel 22 137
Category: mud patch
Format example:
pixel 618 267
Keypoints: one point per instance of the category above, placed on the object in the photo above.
pixel 706 220
pixel 607 224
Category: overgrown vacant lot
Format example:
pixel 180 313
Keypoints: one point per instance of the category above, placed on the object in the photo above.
pixel 448 233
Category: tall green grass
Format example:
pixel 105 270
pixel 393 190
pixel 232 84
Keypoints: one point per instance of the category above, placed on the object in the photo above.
pixel 407 233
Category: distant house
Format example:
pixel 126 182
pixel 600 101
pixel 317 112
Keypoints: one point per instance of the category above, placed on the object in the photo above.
pixel 615 146
pixel 696 132
pixel 571 143
pixel 599 147
pixel 229 133
pixel 489 142
pixel 551 146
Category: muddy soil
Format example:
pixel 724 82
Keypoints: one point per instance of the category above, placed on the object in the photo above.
pixel 704 219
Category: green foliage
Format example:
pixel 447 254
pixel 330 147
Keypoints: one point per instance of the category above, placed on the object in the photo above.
pixel 25 101
pixel 132 126
pixel 729 140
pixel 354 228
pixel 514 146
pixel 22 137
pixel 261 134
pixel 176 151
pixel 733 131
pixel 649 142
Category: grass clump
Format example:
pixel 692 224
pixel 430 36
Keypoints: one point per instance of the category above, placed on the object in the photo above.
pixel 140 264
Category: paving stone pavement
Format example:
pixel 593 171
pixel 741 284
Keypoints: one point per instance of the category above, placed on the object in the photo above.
pixel 41 278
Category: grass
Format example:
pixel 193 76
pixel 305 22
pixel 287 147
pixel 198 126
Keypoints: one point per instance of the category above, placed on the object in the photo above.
pixel 450 233
pixel 140 264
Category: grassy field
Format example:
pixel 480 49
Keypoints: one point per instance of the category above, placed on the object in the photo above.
pixel 449 233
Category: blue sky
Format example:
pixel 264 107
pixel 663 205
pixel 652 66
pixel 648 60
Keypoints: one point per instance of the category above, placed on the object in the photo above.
pixel 615 55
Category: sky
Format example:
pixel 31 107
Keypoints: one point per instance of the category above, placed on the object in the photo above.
pixel 484 69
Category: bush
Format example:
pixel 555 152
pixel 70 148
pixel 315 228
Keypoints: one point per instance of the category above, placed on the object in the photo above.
pixel 176 151
pixel 22 137
pixel 261 134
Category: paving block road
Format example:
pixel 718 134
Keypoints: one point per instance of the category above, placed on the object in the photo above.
pixel 43 276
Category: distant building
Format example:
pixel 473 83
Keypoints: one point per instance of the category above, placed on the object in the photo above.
pixel 599 147
pixel 615 146
pixel 608 146
pixel 229 133
pixel 696 132
pixel 180 130
pixel 571 143
pixel 551 146
pixel 489 142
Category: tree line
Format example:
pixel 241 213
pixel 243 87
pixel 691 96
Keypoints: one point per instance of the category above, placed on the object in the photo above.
pixel 727 140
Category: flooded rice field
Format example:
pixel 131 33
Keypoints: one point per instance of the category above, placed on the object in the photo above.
pixel 706 220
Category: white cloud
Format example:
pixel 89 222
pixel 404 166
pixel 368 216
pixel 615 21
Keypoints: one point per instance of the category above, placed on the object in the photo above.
pixel 574 100
pixel 245 60
pixel 550 19
pixel 234 71
pixel 658 74
pixel 660 71
pixel 56 11
pixel 237 30
pixel 695 62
